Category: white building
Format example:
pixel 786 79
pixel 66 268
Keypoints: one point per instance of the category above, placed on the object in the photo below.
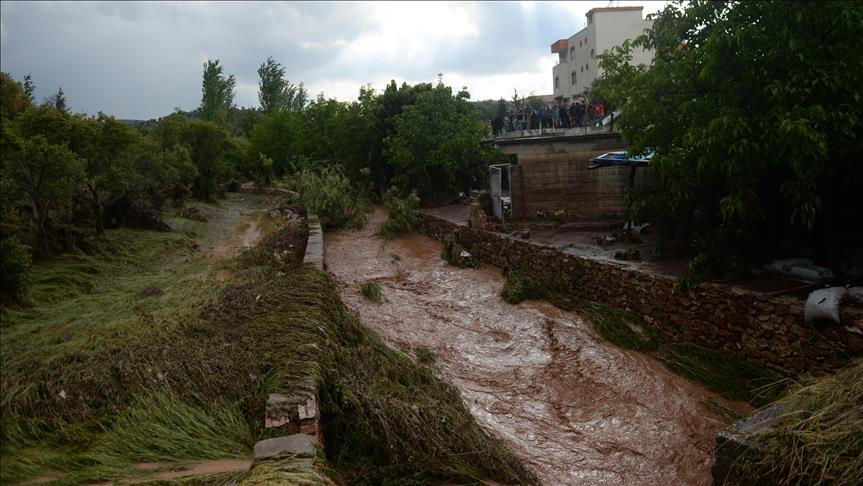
pixel 577 65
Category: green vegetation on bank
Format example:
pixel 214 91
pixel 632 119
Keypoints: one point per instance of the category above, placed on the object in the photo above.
pixel 149 351
pixel 67 177
pixel 726 375
pixel 818 440
pixel 753 111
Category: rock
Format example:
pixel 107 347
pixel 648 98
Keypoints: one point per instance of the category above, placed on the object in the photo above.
pixel 284 409
pixel 628 254
pixel 297 444
pixel 477 217
pixel 278 411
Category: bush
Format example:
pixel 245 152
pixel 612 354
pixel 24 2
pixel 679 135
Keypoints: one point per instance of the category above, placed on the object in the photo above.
pixel 15 261
pixel 521 286
pixel 373 292
pixel 401 217
pixel 485 203
pixel 330 195
pixel 454 252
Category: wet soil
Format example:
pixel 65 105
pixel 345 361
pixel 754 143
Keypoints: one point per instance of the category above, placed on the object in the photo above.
pixel 576 409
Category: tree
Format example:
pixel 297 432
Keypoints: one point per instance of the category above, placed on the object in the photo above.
pixel 435 147
pixel 209 146
pixel 753 110
pixel 59 101
pixel 30 89
pixel 277 93
pixel 217 97
pixel 104 159
pixel 45 174
pixel 13 97
pixel 535 102
pixel 272 86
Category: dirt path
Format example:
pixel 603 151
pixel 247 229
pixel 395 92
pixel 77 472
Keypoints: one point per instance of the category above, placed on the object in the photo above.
pixel 576 409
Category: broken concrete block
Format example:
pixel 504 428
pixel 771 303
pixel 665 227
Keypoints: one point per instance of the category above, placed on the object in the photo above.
pixel 308 410
pixel 297 444
pixel 278 410
pixel 284 409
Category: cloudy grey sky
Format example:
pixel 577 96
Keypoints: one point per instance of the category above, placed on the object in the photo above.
pixel 141 60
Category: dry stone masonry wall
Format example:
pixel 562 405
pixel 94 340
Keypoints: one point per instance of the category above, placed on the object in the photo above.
pixel 769 331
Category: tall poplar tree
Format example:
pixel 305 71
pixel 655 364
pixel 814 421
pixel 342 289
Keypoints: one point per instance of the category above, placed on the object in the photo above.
pixel 217 92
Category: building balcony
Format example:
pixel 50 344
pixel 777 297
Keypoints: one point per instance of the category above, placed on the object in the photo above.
pixel 559 46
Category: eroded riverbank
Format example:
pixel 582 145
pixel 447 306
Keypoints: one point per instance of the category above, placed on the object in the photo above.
pixel 577 410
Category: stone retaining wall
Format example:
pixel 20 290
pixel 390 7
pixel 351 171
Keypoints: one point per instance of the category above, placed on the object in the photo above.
pixel 769 331
pixel 293 459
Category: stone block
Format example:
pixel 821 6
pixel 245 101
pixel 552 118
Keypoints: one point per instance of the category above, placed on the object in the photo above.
pixel 284 409
pixel 297 444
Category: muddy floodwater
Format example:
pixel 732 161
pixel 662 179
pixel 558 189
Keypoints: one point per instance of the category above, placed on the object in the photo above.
pixel 576 409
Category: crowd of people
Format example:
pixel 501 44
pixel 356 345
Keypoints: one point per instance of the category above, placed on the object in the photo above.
pixel 577 114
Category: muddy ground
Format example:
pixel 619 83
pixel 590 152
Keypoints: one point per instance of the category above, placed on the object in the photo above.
pixel 576 409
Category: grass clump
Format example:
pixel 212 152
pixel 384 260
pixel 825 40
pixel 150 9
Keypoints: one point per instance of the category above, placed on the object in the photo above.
pixel 373 292
pixel 401 216
pixel 425 356
pixel 723 373
pixel 818 441
pixel 520 285
pixel 621 327
pixel 454 251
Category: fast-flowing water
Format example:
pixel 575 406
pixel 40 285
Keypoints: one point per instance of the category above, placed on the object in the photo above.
pixel 576 409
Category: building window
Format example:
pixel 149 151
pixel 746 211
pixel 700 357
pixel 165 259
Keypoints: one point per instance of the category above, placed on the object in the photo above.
pixel 582 68
pixel 591 53
pixel 572 81
pixel 572 53
pixel 556 83
pixel 586 67
pixel 579 43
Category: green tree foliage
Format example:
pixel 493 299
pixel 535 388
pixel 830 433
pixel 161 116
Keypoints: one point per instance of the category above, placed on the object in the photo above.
pixel 13 97
pixel 401 214
pixel 217 98
pixel 275 92
pixel 14 264
pixel 45 174
pixel 330 195
pixel 30 89
pixel 535 102
pixel 58 101
pixel 753 110
pixel 272 85
pixel 210 148
pixel 435 147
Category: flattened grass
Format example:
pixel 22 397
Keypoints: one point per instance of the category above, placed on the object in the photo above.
pixel 819 441
pixel 191 383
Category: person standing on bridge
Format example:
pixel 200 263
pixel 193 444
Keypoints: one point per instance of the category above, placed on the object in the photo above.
pixel 600 111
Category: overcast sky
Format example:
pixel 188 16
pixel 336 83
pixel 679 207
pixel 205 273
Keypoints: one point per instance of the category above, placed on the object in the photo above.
pixel 141 60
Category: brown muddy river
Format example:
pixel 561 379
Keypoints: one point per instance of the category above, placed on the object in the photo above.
pixel 576 409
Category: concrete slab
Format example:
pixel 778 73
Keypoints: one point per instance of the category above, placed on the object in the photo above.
pixel 297 444
pixel 315 244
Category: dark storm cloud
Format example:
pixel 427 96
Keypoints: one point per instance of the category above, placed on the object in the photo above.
pixel 141 60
